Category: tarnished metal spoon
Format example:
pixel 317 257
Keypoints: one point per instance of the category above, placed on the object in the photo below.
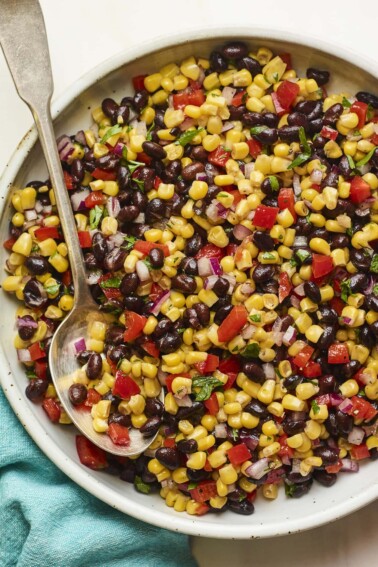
pixel 24 43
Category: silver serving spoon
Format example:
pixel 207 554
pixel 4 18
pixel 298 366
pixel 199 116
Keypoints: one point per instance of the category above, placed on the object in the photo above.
pixel 24 43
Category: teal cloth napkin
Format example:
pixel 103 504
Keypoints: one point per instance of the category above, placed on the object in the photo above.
pixel 48 521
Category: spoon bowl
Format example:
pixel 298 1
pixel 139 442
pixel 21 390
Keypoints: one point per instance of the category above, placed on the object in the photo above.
pixel 24 43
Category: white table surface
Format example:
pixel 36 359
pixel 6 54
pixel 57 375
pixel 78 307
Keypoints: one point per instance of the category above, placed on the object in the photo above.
pixel 83 33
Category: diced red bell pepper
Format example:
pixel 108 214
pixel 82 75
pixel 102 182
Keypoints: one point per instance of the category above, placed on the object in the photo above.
pixel 286 94
pixel 334 469
pixel 52 408
pixel 196 97
pixel 359 452
pixel 265 217
pixel 303 356
pixel 156 292
pixel 134 324
pixel 212 404
pixel 233 323
pixel 68 180
pixel 85 239
pixel 337 304
pixel 40 369
pixel 138 82
pixel 202 509
pixel 230 364
pixel 374 139
pixel 112 293
pixel 89 454
pixel 231 380
pixel 219 157
pixel 145 247
pixel 285 286
pixel 235 193
pixel 329 133
pixel 36 352
pixel 95 198
pixel 362 409
pixel 238 99
pixel 286 200
pixel 285 450
pixel 169 379
pixel 169 442
pixel 238 454
pixel 144 158
pixel 360 108
pixel 359 190
pixel 324 400
pixel 151 348
pixel 255 147
pixel 8 244
pixel 210 251
pixel 209 365
pixel 93 397
pixel 231 249
pixel 157 182
pixel 321 265
pixel 338 354
pixel 44 232
pixel 205 490
pixel 312 370
pixel 99 173
pixel 124 386
pixel 67 278
pixel 119 434
pixel 286 58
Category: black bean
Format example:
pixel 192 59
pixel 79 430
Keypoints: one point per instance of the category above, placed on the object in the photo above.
pixel 122 114
pixel 244 507
pixel 189 266
pixel 344 422
pixel 327 384
pixel 123 176
pixel 36 389
pixel 315 126
pixel 109 107
pixel 360 260
pixel 172 171
pixel 151 426
pixel 36 264
pixel 184 283
pixel 114 335
pixel 286 321
pixel 218 63
pixel 129 283
pixel 288 133
pixel 339 241
pixel 256 408
pixel 262 273
pixel 298 490
pixel 350 368
pixel 312 292
pixel 77 394
pixel 140 100
pixel 187 446
pixel 147 176
pixel 222 313
pixel 35 294
pixel 329 455
pixel 26 332
pixel 128 213
pixel 249 63
pixel 320 76
pixel 331 179
pixel 266 185
pixel 236 112
pixel 94 366
pixel 253 119
pixel 292 427
pixel 120 419
pixel 107 162
pixel 327 338
pixel 291 382
pixel 366 337
pixel 316 112
pixel 77 171
pixel 296 478
pixel 371 302
pixel 297 119
pixel 99 246
pixel 154 407
pixel 333 114
pixel 169 343
pixel 221 287
pixel 325 478
pixel 197 476
pixel 156 256
pixel 83 356
pixel 117 353
pixel 263 240
pixel 134 303
pixel 267 136
pixel 197 408
pixel 163 326
pixel 253 371
pixel 235 50
pixel 331 424
pixel 327 315
pixel 203 313
pixel 190 319
pixel 155 210
pixel 305 106
pixel 114 260
pixel 358 282
pixel 189 172
pixel 154 150
pixel 367 98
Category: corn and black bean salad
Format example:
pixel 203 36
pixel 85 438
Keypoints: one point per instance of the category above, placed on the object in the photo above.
pixel 228 217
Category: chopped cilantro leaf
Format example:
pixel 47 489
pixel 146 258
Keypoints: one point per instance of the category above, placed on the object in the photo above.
pixel 268 256
pixel 315 407
pixel 301 158
pixel 251 351
pixel 149 136
pixel 366 158
pixel 352 165
pixel 188 136
pixel 129 243
pixel 375 289
pixel 345 290
pixel 374 264
pixel 290 489
pixel 147 261
pixel 95 216
pixel 303 140
pixel 30 374
pixel 53 289
pixel 256 318
pixel 133 165
pixel 349 231
pixel 234 434
pixel 192 485
pixel 141 486
pixel 302 255
pixel 258 129
pixel 114 282
pixel 117 129
pixel 139 183
pixel 293 261
pixel 203 387
pixel 345 102
pixel 274 183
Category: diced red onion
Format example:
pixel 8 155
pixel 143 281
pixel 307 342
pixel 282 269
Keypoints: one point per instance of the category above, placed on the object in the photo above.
pixel 29 323
pixel 47 209
pixel 23 355
pixel 298 415
pixel 220 431
pixel 93 277
pixel 277 324
pixel 345 405
pixel 251 440
pixel 289 336
pixel 285 460
pixel 204 267
pixel 140 127
pixel 335 399
pixel 168 483
pixel 277 336
pixel 183 400
pixel 210 282
pixel 222 211
pixel 296 465
pixel 240 231
pixel 228 94
pixel 299 290
pixel 370 429
pixel 80 345
pixel 297 185
pixel 159 302
pixel 247 289
pixel 248 332
pixel 142 271
pixel 347 320
pixel 201 176
pixel 118 149
pixel 364 168
pixel 30 214
pixel 369 288
pixel 232 281
pixel 162 376
pixel 201 76
pixel 77 199
pixel 140 218
pixel 316 176
pixel 212 212
pixel 248 168
pixel 227 126
pixel 356 436
pixel 113 206
pixel 275 476
pixel 80 138
pixel 349 466
pixel 216 267
pixel 65 147
pixel 295 301
pixel 188 123
pixel 117 239
pixel 365 378
pixel 38 206
pixel 269 371
pixel 259 469
pixel 300 241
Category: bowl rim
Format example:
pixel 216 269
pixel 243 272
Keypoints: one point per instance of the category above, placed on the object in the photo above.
pixel 76 472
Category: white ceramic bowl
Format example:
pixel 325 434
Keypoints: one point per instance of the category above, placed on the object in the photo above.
pixel 71 112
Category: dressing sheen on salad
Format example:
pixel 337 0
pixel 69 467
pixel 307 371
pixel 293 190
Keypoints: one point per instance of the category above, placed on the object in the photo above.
pixel 228 217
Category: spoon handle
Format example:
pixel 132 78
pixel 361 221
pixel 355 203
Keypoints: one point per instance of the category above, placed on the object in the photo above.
pixel 24 43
